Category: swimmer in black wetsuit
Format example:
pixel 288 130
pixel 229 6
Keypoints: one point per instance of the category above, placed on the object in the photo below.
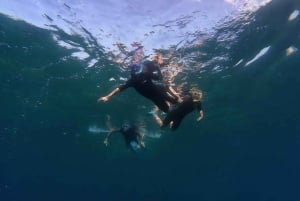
pixel 158 62
pixel 191 102
pixel 132 137
pixel 142 83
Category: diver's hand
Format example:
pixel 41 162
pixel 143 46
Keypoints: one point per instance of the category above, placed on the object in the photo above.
pixel 106 142
pixel 103 99
pixel 179 100
pixel 142 145
pixel 200 118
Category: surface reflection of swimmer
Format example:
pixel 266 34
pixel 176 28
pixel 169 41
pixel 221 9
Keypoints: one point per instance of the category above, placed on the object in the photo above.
pixel 191 101
pixel 131 134
pixel 123 55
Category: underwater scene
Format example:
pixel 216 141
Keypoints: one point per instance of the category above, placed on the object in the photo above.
pixel 63 137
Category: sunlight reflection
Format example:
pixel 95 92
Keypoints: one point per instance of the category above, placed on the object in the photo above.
pixel 259 55
pixel 294 15
pixel 248 5
pixel 291 50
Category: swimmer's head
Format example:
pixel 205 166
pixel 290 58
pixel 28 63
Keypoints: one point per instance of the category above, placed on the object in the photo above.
pixel 126 127
pixel 196 94
pixel 136 44
pixel 135 69
pixel 157 58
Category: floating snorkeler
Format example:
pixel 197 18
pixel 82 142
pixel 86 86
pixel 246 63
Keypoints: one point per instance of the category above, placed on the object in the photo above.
pixel 165 78
pixel 191 101
pixel 142 74
pixel 131 133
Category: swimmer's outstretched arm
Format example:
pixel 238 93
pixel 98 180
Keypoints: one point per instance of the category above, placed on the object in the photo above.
pixel 200 115
pixel 107 97
pixel 109 134
pixel 158 120
pixel 174 93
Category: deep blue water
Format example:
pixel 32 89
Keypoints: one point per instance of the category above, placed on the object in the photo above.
pixel 246 147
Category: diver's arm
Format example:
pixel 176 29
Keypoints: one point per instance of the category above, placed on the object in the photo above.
pixel 200 115
pixel 158 120
pixel 174 93
pixel 107 97
pixel 109 134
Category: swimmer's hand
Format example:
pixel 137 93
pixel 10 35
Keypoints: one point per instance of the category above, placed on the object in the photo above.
pixel 106 142
pixel 106 98
pixel 179 100
pixel 103 99
pixel 200 118
pixel 142 145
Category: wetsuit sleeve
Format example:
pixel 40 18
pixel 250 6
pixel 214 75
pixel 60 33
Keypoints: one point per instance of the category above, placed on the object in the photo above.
pixel 112 132
pixel 199 106
pixel 126 85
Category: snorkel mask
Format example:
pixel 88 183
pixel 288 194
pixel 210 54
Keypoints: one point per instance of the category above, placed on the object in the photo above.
pixel 126 127
pixel 135 69
pixel 134 146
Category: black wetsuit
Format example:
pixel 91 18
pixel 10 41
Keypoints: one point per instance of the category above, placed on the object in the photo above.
pixel 143 84
pixel 154 69
pixel 181 110
pixel 131 134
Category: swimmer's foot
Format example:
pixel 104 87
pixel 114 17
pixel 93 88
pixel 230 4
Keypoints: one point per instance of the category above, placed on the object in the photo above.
pixel 154 111
pixel 171 124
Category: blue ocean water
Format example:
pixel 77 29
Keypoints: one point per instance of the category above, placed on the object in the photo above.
pixel 245 148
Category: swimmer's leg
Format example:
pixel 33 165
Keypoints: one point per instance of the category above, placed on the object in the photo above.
pixel 158 119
